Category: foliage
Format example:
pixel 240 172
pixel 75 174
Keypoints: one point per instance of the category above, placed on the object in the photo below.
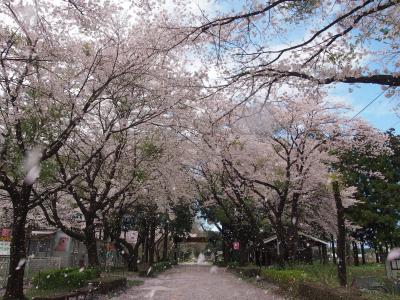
pixel 247 271
pixel 68 277
pixel 35 292
pixel 135 282
pixel 376 179
pixel 288 278
pixel 105 285
pixel 326 275
pixel 161 266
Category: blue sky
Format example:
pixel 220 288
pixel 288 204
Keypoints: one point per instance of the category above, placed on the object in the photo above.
pixel 381 113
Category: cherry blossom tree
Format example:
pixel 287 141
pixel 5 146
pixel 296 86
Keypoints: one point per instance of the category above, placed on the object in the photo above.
pixel 260 40
pixel 283 155
pixel 60 62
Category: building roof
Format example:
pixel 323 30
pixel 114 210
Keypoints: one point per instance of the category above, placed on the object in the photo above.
pixel 274 237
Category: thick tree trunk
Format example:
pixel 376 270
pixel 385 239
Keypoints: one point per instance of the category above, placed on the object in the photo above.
pixel 90 243
pixel 292 238
pixel 15 282
pixel 333 249
pixel 243 253
pixel 355 254
pixel 324 254
pixel 281 245
pixel 362 253
pixel 341 239
pixel 292 234
pixel 165 244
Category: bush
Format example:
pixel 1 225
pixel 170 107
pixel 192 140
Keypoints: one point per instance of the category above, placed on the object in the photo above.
pixel 286 278
pixel 220 263
pixel 248 271
pixel 64 278
pixel 108 284
pixel 162 266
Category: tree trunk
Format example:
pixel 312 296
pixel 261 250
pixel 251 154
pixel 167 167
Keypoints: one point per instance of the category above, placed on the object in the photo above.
pixel 382 256
pixel 324 254
pixel 333 249
pixel 152 244
pixel 355 254
pixel 243 253
pixel 341 239
pixel 225 252
pixel 15 282
pixel 90 243
pixel 132 262
pixel 146 246
pixel 376 255
pixel 165 244
pixel 362 253
pixel 292 234
pixel 281 247
pixel 349 254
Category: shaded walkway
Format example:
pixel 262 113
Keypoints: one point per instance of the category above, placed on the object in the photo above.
pixel 192 282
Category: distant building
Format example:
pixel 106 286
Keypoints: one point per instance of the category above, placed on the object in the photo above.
pixel 309 249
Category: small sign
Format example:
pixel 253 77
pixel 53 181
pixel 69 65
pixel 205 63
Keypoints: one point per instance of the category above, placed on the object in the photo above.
pixel 4 248
pixel 236 245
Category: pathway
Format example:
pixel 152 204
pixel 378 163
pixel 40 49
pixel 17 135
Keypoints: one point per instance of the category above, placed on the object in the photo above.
pixel 193 282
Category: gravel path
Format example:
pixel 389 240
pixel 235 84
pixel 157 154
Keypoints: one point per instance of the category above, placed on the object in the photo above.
pixel 192 282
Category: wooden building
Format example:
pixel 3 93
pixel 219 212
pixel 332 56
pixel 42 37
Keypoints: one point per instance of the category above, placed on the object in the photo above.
pixel 309 249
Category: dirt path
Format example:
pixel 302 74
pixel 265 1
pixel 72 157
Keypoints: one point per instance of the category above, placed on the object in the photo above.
pixel 192 282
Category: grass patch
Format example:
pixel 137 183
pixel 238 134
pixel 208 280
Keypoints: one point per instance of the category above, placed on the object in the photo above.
pixel 63 278
pixel 291 277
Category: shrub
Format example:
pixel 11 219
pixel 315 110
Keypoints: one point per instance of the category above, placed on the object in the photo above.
pixel 108 284
pixel 135 282
pixel 162 266
pixel 248 271
pixel 286 278
pixel 64 278
pixel 220 263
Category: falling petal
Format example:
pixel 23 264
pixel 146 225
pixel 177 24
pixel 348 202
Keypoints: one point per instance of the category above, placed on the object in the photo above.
pixel 394 254
pixel 20 263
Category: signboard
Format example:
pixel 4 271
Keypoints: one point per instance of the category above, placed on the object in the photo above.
pixel 5 234
pixel 236 245
pixel 4 248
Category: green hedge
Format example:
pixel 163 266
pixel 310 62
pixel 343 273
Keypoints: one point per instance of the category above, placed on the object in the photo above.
pixel 248 271
pixel 108 284
pixel 162 266
pixel 158 267
pixel 64 278
pixel 289 279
